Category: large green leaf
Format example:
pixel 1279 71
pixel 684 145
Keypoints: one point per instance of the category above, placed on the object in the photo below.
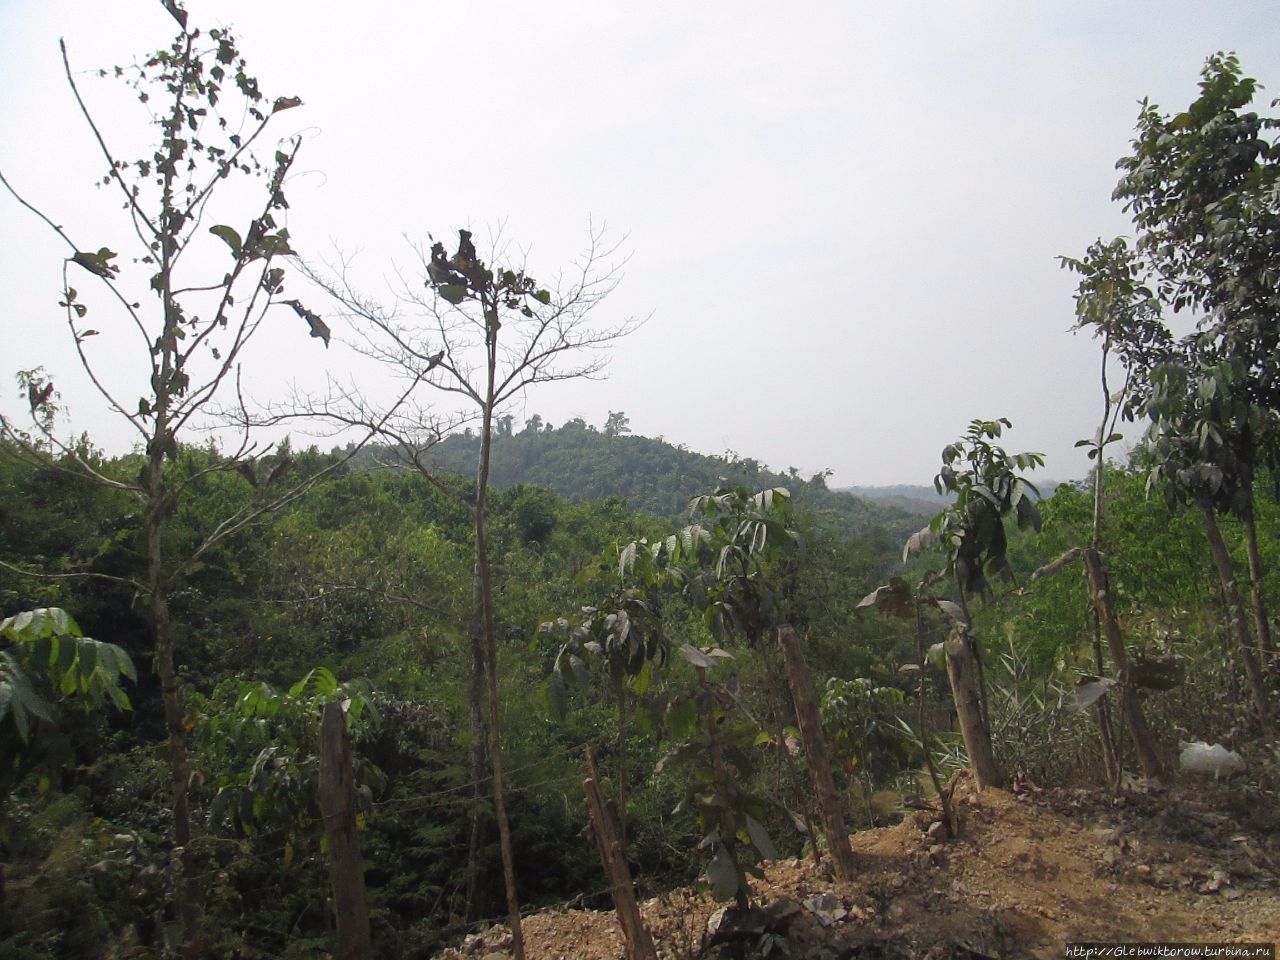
pixel 228 236
pixel 722 872
pixel 760 839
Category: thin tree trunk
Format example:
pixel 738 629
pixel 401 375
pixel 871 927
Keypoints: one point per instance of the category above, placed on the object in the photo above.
pixel 797 782
pixel 830 810
pixel 1130 707
pixel 976 647
pixel 1235 608
pixel 931 765
pixel 720 781
pixel 479 762
pixel 491 642
pixel 338 807
pixel 170 688
pixel 962 672
pixel 609 842
pixel 180 779
pixel 1261 625
pixel 1110 756
pixel 622 763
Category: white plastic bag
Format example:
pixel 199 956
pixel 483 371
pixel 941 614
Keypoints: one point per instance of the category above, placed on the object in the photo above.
pixel 1211 761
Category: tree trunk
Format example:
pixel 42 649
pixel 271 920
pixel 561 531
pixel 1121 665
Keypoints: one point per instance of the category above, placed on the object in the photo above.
pixel 944 798
pixel 1130 707
pixel 611 846
pixel 963 673
pixel 490 640
pixel 185 900
pixel 478 695
pixel 1110 756
pixel 1261 625
pixel 1235 609
pixel 621 694
pixel 720 781
pixel 338 807
pixel 830 810
pixel 800 798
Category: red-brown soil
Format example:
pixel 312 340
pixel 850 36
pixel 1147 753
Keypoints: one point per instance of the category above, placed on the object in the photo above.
pixel 1026 875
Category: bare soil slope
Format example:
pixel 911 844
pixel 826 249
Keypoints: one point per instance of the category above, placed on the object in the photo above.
pixel 1028 874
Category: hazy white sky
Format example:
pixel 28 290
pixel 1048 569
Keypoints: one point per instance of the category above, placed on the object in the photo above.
pixel 843 216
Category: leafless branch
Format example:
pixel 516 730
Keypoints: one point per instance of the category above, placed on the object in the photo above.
pixel 1049 569
pixel 81 575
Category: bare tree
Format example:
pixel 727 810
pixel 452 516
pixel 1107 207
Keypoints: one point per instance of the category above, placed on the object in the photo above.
pixel 210 299
pixel 483 334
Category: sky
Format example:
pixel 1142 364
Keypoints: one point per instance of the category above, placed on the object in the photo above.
pixel 841 220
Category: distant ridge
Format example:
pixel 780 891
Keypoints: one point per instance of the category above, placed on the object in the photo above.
pixel 915 499
pixel 920 500
pixel 581 462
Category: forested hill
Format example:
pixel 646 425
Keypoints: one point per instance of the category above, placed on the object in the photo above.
pixel 583 462
pixel 922 501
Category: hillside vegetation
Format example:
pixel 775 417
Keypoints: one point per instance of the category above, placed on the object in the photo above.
pixel 580 462
pixel 267 702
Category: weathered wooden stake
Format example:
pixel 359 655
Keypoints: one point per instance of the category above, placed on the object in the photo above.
pixel 962 671
pixel 605 827
pixel 815 747
pixel 338 807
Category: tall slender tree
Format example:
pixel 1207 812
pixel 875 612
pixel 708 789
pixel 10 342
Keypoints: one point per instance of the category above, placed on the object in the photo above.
pixel 485 333
pixel 1202 188
pixel 209 290
pixel 1114 305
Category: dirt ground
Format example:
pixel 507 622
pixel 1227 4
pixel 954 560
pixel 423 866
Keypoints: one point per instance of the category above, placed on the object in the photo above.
pixel 1028 874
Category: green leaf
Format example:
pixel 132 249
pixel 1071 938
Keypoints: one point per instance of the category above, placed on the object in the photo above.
pixel 640 684
pixel 319 328
pixel 952 610
pixel 455 293
pixel 695 656
pixel 760 839
pixel 1156 673
pixel 97 263
pixel 557 695
pixel 893 598
pixel 682 718
pixel 722 872
pixel 229 237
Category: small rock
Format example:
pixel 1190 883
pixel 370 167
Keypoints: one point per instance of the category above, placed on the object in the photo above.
pixel 826 908
pixel 716 921
pixel 1217 880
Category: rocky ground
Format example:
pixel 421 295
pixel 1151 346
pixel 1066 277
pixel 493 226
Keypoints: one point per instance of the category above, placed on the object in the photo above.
pixel 1028 873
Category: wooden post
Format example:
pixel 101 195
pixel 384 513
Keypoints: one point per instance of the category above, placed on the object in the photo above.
pixel 338 807
pixel 1130 707
pixel 962 671
pixel 815 747
pixel 605 827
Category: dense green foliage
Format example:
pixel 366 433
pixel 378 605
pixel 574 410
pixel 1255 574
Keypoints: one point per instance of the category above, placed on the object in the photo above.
pixel 638 590
pixel 370 578
pixel 581 462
